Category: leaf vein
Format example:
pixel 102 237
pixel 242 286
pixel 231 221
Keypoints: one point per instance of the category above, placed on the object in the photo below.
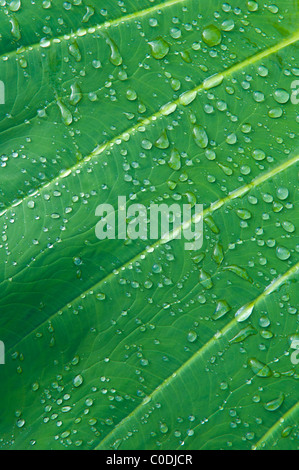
pixel 274 285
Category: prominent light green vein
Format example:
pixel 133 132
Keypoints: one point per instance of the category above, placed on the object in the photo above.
pixel 273 286
pixel 92 29
pixel 164 111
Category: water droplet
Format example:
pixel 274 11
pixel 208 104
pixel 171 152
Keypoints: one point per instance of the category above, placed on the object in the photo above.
pixel 213 81
pixel 258 96
pixel 275 113
pixel 15 5
pixel 258 154
pixel 20 423
pixel 282 253
pixel 211 224
pixel 281 96
pixel 275 404
pixel 288 226
pixel 115 57
pixel 241 272
pixel 78 380
pixel 259 369
pixel 244 312
pixel 66 115
pixel 75 51
pixel 231 139
pixel 252 5
pixel 228 25
pixel 200 136
pixel 222 309
pixel 131 95
pixel 163 428
pixel 262 71
pixel 76 94
pixel 186 56
pixel 101 296
pixel 187 97
pixel 244 214
pixel 175 33
pixel 218 253
pixel 89 13
pixel 15 29
pixel 192 336
pixel 162 142
pixel 226 169
pixel 243 334
pixel 175 160
pixel 211 36
pixel 205 279
pixel 287 431
pixel 159 48
pixel 264 322
pixel 282 193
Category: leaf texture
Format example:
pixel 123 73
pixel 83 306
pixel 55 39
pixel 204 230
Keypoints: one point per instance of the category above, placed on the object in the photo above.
pixel 120 344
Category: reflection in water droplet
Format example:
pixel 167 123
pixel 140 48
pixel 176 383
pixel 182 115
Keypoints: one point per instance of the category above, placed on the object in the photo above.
pixel 76 94
pixel 175 160
pixel 77 381
pixel 244 334
pixel 222 309
pixel 159 48
pixel 192 336
pixel 162 142
pixel 15 5
pixel 281 96
pixel 275 113
pixel 275 404
pixel 205 279
pixel 259 369
pixel 75 51
pixel 115 57
pixel 211 36
pixel 15 29
pixel 282 253
pixel 200 136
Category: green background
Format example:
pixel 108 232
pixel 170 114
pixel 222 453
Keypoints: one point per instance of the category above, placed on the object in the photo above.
pixel 133 344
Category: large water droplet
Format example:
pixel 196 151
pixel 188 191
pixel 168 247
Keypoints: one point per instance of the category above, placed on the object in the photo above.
pixel 281 96
pixel 66 115
pixel 115 57
pixel 259 369
pixel 211 36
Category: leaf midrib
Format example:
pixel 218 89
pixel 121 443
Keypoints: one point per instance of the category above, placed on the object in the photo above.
pixel 154 117
pixel 239 192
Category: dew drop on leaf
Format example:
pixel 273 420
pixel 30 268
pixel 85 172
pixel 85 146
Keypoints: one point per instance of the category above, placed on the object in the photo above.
pixel 159 48
pixel 211 35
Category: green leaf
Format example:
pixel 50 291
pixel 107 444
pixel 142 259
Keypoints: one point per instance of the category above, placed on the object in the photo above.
pixel 141 344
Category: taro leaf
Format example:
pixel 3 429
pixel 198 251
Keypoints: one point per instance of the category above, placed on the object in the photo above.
pixel 115 343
